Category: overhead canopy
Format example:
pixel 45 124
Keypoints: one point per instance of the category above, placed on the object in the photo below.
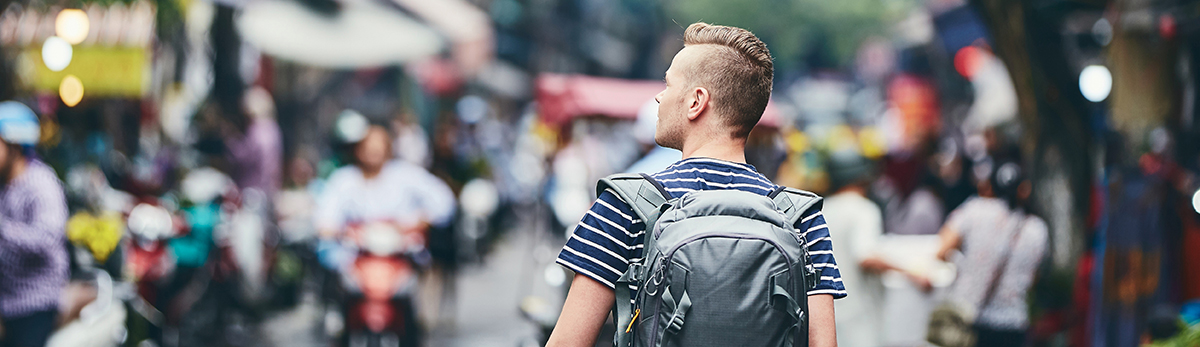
pixel 467 27
pixel 563 97
pixel 361 34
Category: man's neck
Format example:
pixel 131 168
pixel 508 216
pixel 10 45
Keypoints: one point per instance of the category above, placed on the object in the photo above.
pixel 371 174
pixel 726 149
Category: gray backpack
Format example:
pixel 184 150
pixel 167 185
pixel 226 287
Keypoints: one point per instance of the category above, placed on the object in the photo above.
pixel 719 268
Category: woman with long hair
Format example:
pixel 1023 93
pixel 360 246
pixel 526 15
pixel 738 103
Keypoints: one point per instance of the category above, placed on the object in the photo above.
pixel 1001 245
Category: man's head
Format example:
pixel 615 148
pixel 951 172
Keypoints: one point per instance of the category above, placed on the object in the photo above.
pixel 718 85
pixel 19 131
pixel 374 149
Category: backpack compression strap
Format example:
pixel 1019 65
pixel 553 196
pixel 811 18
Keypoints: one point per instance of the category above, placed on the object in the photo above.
pixel 642 193
pixel 646 197
pixel 794 203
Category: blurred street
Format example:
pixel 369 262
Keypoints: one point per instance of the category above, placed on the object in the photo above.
pixel 484 311
pixel 385 173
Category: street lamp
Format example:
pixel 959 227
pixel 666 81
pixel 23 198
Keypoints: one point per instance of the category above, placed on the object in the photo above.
pixel 1196 201
pixel 71 90
pixel 72 25
pixel 56 53
pixel 1095 82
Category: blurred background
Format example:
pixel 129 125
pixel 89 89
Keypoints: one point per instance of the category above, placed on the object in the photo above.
pixel 201 142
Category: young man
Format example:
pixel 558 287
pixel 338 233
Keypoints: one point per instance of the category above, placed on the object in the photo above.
pixel 33 217
pixel 717 88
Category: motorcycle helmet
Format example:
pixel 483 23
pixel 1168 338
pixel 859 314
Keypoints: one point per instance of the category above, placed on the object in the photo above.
pixel 847 167
pixel 18 124
pixel 351 127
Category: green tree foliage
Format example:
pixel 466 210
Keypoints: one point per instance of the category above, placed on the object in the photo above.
pixel 791 27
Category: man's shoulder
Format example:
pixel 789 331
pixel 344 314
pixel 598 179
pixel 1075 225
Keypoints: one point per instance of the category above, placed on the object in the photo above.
pixel 344 175
pixel 40 174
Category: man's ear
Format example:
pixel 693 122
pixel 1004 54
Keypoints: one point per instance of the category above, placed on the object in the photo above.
pixel 698 102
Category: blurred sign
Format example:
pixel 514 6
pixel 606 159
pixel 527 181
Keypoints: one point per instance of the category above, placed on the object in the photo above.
pixel 118 24
pixel 916 104
pixel 361 34
pixel 104 71
pixel 960 27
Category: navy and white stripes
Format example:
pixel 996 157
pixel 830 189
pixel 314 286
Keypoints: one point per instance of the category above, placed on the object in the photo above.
pixel 609 237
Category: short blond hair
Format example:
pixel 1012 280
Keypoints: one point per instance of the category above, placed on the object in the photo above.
pixel 739 72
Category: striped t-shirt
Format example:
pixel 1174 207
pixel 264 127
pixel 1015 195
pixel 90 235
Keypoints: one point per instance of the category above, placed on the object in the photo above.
pixel 609 237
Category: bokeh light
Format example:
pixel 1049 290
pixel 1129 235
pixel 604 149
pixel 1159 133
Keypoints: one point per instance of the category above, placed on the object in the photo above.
pixel 967 60
pixel 56 53
pixel 1196 201
pixel 71 90
pixel 72 25
pixel 1095 82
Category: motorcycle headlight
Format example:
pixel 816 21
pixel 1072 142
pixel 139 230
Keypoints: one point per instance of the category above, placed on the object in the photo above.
pixel 381 240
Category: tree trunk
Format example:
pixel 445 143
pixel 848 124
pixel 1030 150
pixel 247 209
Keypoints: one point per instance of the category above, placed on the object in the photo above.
pixel 1054 117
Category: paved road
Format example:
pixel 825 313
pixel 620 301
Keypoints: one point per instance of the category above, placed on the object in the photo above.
pixel 483 312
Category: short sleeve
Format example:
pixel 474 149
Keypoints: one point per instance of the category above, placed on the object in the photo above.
pixel 606 240
pixel 814 232
pixel 959 217
pixel 436 198
pixel 328 212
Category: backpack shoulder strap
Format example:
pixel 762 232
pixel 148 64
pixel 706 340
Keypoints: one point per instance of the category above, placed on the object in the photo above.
pixel 643 194
pixel 646 197
pixel 794 202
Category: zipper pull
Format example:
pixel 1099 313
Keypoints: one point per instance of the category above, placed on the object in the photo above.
pixel 636 313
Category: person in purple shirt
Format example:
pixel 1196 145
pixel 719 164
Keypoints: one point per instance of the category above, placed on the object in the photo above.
pixel 256 149
pixel 33 215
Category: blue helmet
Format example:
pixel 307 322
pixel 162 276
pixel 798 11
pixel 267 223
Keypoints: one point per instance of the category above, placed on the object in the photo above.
pixel 18 124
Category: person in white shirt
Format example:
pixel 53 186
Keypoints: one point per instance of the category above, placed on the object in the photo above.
pixel 378 188
pixel 857 223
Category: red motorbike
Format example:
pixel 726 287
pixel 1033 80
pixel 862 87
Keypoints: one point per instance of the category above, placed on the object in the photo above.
pixel 148 258
pixel 380 286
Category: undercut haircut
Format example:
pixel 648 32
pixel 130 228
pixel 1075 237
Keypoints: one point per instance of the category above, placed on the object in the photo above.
pixel 738 72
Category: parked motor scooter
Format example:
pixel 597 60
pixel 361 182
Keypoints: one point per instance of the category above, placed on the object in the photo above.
pixel 295 256
pixel 479 200
pixel 150 266
pixel 247 246
pixel 101 322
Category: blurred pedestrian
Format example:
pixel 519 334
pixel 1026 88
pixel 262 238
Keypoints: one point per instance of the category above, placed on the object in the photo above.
pixel 912 204
pixel 256 145
pixel 857 223
pixel 1002 246
pixel 380 188
pixel 33 216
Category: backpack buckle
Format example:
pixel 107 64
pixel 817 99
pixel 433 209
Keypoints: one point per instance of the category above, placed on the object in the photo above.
pixel 810 279
pixel 635 272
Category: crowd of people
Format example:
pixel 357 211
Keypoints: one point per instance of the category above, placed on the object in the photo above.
pixel 230 212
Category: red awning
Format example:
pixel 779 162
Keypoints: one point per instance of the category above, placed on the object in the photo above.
pixel 563 97
pixel 771 117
